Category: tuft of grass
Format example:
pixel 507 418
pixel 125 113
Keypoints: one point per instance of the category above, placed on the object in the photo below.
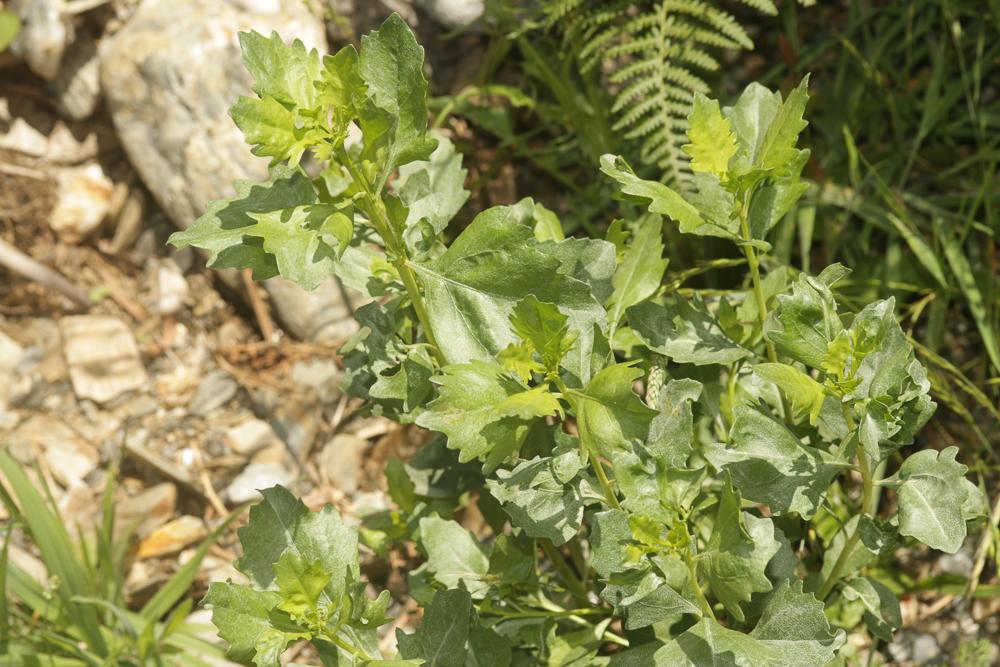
pixel 76 613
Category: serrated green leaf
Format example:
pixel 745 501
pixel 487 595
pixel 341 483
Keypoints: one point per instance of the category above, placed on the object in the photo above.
pixel 712 140
pixel 660 199
pixel 391 64
pixel 242 616
pixel 685 331
pixel 455 556
pixel 545 328
pixel 609 415
pixel 769 465
pixel 792 631
pixel 233 238
pixel 751 117
pixel 882 614
pixel 641 269
pixel 440 641
pixel 671 432
pixel 642 599
pixel 935 498
pixel 804 394
pixel 471 290
pixel 432 190
pixel 539 497
pixel 738 552
pixel 609 539
pixel 591 261
pixel 777 150
pixel 476 395
pixel 805 322
pixel 281 523
pixel 270 128
pixel 285 72
pixel 301 584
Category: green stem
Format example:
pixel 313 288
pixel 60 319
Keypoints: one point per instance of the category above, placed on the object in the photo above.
pixel 602 477
pixel 867 507
pixel 696 587
pixel 573 583
pixel 394 245
pixel 340 643
pixel 753 261
pixel 595 463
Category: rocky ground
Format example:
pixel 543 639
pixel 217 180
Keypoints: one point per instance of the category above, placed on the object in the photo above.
pixel 201 386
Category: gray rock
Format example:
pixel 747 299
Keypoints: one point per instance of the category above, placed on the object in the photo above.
pixel 320 315
pixel 321 376
pixel 83 199
pixel 250 436
pixel 147 511
pixel 959 563
pixel 925 649
pixel 215 390
pixel 43 36
pixel 169 77
pixel 77 88
pixel 102 357
pixel 254 477
pixel 454 14
pixel 70 457
pixel 172 289
pixel 11 355
pixel 341 461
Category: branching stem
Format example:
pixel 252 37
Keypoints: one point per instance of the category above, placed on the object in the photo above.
pixel 372 206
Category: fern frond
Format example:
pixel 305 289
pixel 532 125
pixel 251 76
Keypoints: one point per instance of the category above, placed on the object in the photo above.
pixel 654 54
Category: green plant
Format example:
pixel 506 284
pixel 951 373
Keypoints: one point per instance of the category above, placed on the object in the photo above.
pixel 76 613
pixel 626 530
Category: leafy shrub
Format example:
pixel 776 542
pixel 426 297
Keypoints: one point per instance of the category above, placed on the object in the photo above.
pixel 646 456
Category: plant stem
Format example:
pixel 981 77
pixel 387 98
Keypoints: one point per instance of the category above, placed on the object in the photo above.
pixel 867 489
pixel 602 477
pixel 696 587
pixel 573 583
pixel 752 260
pixel 394 245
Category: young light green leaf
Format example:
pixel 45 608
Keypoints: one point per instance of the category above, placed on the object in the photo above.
pixel 935 498
pixel 712 140
pixel 777 150
pixel 684 331
pixel 284 72
pixel 769 465
pixel 738 552
pixel 476 395
pixel 882 614
pixel 455 556
pixel 280 523
pixel 241 615
pixel 432 190
pixel 391 64
pixel 804 394
pixel 545 328
pixel 805 321
pixel 300 584
pixel 609 415
pixel 638 276
pixel 471 290
pixel 271 129
pixel 660 199
pixel 440 641
pixel 540 496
